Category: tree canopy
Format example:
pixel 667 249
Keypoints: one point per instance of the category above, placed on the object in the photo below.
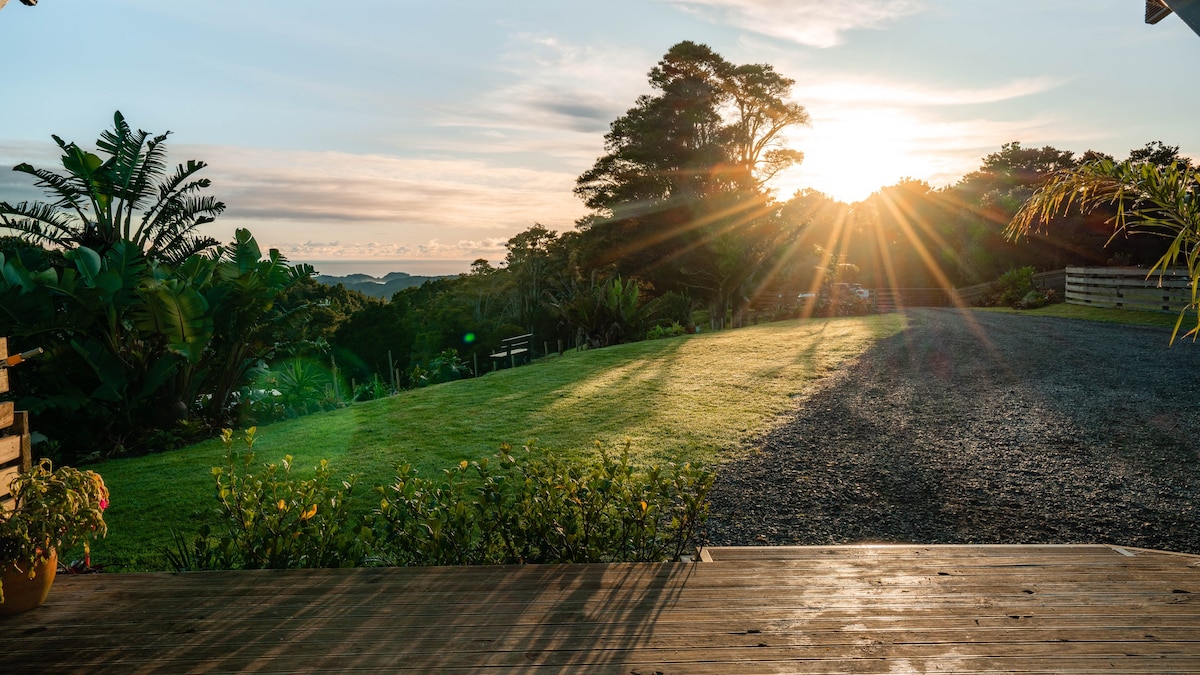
pixel 679 199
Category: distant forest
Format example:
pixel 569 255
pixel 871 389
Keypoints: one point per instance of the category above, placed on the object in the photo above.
pixel 374 287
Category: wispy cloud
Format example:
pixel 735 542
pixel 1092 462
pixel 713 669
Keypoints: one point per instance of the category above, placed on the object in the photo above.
pixel 362 200
pixel 815 23
pixel 465 249
pixel 858 91
pixel 553 98
pixel 365 206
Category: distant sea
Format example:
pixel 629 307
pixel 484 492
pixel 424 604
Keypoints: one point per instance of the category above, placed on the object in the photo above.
pixel 381 268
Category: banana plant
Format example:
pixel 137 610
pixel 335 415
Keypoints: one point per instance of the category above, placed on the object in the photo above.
pixel 242 288
pixel 124 193
pixel 117 329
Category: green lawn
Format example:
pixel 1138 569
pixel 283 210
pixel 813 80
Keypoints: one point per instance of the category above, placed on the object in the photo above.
pixel 1065 311
pixel 699 397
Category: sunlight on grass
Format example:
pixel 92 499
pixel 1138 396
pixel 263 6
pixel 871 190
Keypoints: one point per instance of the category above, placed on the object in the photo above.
pixel 698 397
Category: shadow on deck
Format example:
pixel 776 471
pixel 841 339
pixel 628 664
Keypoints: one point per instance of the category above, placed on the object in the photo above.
pixel 862 609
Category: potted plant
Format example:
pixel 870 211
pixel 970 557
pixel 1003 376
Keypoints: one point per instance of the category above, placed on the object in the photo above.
pixel 52 510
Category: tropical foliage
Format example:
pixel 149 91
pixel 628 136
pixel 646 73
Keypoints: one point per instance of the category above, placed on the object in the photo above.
pixel 133 344
pixel 1148 198
pixel 123 193
pixel 150 329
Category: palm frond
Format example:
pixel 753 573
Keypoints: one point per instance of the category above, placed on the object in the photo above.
pixel 1149 199
pixel 68 192
pixel 39 222
pixel 168 206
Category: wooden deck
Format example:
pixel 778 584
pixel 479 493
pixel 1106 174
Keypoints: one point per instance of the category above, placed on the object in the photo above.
pixel 874 609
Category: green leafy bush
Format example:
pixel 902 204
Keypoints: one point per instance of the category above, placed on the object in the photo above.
pixel 659 332
pixel 274 521
pixel 1036 298
pixel 541 509
pixel 1010 289
pixel 372 389
pixel 447 366
pixel 529 507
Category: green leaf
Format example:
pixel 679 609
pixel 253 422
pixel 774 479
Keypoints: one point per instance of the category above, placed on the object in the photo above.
pixel 179 313
pixel 87 261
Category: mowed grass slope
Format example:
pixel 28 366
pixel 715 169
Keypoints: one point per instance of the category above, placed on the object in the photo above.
pixel 697 397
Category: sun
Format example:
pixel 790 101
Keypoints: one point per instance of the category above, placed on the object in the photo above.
pixel 853 155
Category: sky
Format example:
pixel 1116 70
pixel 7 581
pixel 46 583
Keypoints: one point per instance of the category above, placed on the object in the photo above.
pixel 359 133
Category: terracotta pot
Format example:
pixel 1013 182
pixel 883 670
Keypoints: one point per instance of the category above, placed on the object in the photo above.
pixel 21 593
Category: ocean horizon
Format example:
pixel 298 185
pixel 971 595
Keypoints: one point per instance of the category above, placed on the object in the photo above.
pixel 381 268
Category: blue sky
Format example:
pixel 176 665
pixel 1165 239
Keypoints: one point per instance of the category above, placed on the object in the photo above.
pixel 386 129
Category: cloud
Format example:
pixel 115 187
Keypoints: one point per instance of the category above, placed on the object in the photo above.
pixel 381 206
pixel 18 187
pixel 815 23
pixel 553 99
pixel 848 91
pixel 366 206
pixel 433 249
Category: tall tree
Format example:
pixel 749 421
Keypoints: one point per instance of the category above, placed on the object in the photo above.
pixel 679 194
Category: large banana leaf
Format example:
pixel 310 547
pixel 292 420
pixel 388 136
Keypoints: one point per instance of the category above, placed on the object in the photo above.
pixel 177 312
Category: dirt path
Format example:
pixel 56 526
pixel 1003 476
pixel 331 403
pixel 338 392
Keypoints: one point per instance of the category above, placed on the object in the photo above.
pixel 984 428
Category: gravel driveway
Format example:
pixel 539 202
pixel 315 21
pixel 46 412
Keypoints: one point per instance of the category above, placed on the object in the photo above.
pixel 984 428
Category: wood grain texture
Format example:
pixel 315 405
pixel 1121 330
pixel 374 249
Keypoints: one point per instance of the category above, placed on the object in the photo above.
pixel 787 609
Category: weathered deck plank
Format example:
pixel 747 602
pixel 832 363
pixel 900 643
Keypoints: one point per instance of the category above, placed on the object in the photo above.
pixel 787 609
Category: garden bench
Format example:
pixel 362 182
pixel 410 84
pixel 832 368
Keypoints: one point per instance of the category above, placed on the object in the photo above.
pixel 513 347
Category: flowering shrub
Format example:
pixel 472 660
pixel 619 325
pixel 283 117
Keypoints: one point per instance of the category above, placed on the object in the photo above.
pixel 530 507
pixel 273 520
pixel 52 509
pixel 538 508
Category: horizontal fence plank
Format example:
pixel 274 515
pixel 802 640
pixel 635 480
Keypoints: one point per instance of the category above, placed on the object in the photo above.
pixel 10 449
pixel 6 414
pixel 1129 288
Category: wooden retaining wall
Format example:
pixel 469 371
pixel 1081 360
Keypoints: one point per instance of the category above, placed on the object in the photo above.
pixel 1129 288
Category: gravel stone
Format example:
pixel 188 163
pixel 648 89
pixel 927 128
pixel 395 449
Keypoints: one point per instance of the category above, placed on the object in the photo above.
pixel 983 428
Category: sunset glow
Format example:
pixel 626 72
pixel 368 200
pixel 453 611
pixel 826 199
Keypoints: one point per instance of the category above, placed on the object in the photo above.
pixel 856 155
pixel 422 132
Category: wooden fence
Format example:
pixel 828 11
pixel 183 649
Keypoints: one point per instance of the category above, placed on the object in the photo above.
pixel 1129 288
pixel 15 455
pixel 1055 280
pixel 891 299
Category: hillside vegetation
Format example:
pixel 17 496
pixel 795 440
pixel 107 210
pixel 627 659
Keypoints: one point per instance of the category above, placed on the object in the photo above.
pixel 699 397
